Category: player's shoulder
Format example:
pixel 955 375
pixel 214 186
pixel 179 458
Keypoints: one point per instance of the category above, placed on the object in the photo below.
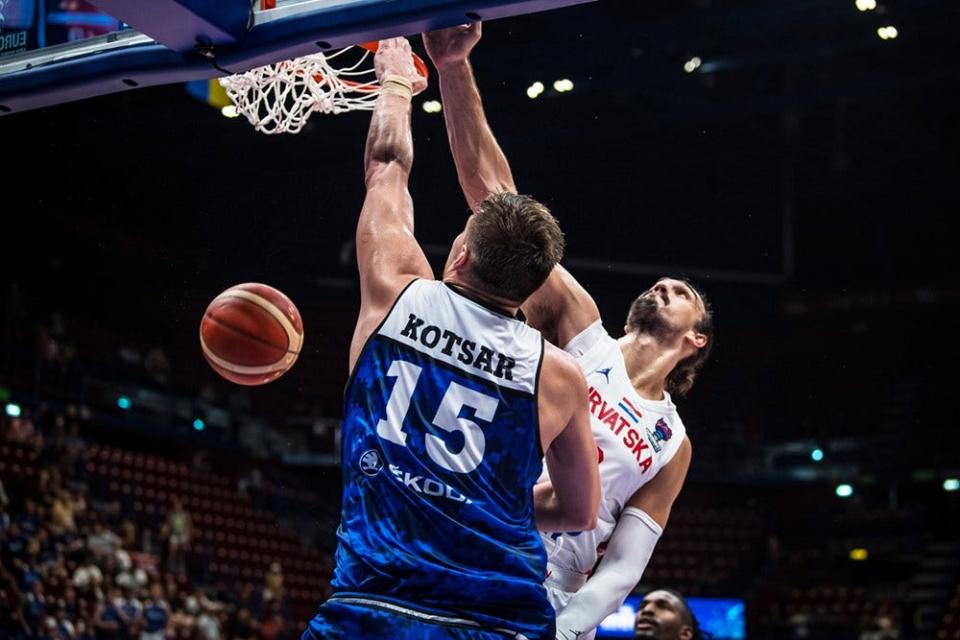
pixel 560 373
pixel 559 362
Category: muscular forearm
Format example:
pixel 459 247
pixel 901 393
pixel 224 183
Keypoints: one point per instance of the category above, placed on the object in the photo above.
pixel 389 140
pixel 481 165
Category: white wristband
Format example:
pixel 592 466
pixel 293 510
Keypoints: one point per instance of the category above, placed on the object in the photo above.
pixel 396 85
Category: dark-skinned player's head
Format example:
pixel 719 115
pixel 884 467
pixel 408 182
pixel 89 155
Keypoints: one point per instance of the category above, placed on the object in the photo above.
pixel 665 615
pixel 673 310
pixel 509 247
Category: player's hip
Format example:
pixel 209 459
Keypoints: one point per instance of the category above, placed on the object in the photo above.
pixel 361 616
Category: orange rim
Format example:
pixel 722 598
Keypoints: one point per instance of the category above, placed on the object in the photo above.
pixel 372 47
pixel 418 62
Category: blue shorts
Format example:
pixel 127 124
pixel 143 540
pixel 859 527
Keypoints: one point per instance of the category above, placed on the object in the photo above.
pixel 348 619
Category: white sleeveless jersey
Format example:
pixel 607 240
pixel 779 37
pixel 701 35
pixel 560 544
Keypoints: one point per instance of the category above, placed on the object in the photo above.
pixel 635 438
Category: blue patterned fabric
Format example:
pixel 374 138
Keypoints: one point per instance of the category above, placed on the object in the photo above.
pixel 342 621
pixel 436 512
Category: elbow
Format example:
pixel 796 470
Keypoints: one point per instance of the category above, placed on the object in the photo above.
pixel 589 523
pixel 586 519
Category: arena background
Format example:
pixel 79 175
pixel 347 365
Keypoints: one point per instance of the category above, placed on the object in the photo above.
pixel 803 175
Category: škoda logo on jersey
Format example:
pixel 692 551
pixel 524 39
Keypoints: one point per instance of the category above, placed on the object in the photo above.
pixel 627 428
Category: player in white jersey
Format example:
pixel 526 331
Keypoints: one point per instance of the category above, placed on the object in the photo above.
pixel 643 449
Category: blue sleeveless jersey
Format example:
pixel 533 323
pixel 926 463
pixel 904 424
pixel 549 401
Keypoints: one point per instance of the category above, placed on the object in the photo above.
pixel 441 449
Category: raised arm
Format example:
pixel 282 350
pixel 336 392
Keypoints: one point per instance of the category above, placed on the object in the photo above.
pixel 481 166
pixel 388 256
pixel 561 308
pixel 638 529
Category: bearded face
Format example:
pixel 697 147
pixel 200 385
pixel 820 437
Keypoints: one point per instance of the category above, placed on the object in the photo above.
pixel 647 317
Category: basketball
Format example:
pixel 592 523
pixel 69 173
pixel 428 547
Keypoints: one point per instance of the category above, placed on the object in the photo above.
pixel 251 334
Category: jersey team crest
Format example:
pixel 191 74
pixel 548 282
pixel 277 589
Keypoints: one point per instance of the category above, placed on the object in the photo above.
pixel 660 434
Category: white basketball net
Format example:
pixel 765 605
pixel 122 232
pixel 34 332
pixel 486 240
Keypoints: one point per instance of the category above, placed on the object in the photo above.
pixel 279 98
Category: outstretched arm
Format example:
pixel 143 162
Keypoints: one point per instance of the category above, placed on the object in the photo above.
pixel 388 255
pixel 481 166
pixel 638 529
pixel 561 308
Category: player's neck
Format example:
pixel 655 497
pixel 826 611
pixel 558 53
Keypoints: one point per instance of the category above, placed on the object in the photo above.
pixel 502 304
pixel 649 361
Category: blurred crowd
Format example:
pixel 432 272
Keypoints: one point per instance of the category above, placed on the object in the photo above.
pixel 75 566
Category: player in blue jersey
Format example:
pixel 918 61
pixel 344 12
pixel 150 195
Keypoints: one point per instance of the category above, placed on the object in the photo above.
pixel 451 404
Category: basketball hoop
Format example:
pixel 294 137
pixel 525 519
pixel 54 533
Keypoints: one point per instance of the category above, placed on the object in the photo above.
pixel 280 97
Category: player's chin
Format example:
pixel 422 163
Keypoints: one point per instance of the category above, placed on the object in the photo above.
pixel 645 631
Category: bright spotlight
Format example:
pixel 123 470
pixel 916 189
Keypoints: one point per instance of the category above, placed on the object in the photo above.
pixel 199 425
pixel 888 32
pixel 844 491
pixel 535 89
pixel 951 484
pixel 859 554
pixel 124 402
pixel 432 106
pixel 13 410
pixel 229 111
pixel 563 85
pixel 692 64
pixel 866 5
pixel 816 455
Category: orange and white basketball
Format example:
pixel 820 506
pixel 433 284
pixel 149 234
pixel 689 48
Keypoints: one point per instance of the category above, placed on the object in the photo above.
pixel 251 334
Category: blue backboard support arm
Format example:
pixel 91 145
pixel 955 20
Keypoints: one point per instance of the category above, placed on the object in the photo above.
pixel 129 59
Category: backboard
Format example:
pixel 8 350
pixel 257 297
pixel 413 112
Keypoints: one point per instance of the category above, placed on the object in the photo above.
pixel 54 51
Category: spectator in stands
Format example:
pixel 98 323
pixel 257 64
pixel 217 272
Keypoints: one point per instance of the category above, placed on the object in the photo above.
pixel 881 628
pixel 60 625
pixel 34 608
pixel 273 625
pixel 207 616
pixel 87 578
pixel 129 610
pixel 62 513
pixel 128 534
pixel 244 626
pixel 31 518
pixel 14 543
pixel 156 615
pixel 800 624
pixel 273 585
pixel 107 621
pixel 11 616
pixel 178 532
pixel 128 576
pixel 665 615
pixel 103 542
pixel 147 544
